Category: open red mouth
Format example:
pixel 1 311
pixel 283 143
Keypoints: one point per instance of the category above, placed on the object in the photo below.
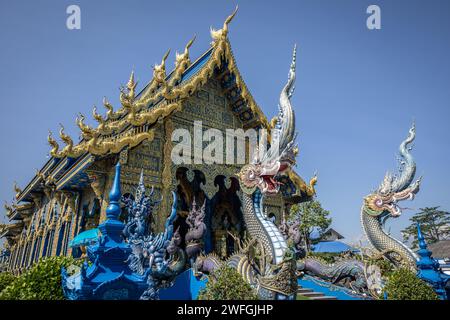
pixel 272 184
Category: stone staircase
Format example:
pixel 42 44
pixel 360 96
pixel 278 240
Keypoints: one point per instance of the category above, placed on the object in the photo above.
pixel 313 295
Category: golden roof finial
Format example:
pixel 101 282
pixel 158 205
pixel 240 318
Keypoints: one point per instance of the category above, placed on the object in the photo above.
pixel 8 208
pixel 86 131
pixel 182 60
pixel 64 137
pixel 108 106
pixel 312 183
pixel 222 33
pixel 17 190
pixel 131 85
pixel 159 70
pixel 97 116
pixel 189 44
pixel 52 142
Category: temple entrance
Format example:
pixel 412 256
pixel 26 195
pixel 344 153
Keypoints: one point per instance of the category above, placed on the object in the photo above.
pixel 226 217
pixel 223 213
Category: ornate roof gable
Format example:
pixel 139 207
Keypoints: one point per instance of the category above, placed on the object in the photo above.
pixel 131 124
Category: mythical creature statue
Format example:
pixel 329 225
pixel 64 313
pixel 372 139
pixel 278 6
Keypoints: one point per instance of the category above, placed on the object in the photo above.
pixel 291 232
pixel 139 211
pixel 158 257
pixel 272 271
pixel 377 208
pixel 349 273
pixel 382 204
pixel 196 232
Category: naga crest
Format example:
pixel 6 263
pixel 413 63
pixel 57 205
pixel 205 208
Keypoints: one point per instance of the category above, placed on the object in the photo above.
pixel 260 173
pixel 394 188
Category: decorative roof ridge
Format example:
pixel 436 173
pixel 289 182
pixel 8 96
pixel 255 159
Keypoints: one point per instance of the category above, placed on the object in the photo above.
pixel 96 141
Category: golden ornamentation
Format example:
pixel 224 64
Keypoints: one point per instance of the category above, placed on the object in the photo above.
pixel 17 190
pixel 65 138
pixel 110 114
pixel 300 184
pixel 9 209
pixel 166 177
pixel 134 111
pixel 36 200
pixel 86 131
pixel 48 180
pixel 182 62
pixel 97 117
pixel 97 182
pixel 104 146
pixel 70 200
pixel 55 146
pixel 221 34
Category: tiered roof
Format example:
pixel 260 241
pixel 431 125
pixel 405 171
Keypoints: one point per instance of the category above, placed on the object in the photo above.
pixel 134 121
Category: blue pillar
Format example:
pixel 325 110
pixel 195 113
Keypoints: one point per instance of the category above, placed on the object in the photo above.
pixel 428 268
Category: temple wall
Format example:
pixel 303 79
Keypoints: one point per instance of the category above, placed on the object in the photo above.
pixel 60 215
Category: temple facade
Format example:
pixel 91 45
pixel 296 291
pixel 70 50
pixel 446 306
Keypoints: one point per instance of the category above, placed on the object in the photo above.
pixel 69 194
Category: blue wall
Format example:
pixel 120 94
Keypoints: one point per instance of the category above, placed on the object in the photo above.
pixel 186 287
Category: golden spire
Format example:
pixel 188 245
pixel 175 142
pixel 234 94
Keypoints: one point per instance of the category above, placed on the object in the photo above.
pixel 127 94
pixel 131 86
pixel 222 33
pixel 52 142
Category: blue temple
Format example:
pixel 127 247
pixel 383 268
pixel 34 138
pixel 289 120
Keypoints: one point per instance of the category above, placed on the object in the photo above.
pixel 428 268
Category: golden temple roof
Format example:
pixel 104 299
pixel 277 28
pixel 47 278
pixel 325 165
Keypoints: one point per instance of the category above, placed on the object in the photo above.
pixel 133 122
pixel 162 96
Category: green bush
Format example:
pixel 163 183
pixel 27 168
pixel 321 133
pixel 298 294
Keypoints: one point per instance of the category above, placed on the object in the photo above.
pixel 403 284
pixel 386 267
pixel 227 284
pixel 40 282
pixel 5 279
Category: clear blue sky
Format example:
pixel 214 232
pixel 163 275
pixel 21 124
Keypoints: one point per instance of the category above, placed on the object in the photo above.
pixel 357 90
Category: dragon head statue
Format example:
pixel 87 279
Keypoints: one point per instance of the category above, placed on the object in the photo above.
pixel 280 157
pixel 383 203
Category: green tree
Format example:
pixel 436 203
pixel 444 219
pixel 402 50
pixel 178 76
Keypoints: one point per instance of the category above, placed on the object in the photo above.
pixel 434 224
pixel 403 284
pixel 312 217
pixel 226 283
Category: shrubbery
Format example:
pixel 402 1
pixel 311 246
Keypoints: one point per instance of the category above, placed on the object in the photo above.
pixel 5 279
pixel 40 282
pixel 403 284
pixel 227 284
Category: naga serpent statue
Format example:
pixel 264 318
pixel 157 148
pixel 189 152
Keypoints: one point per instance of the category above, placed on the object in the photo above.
pixel 382 205
pixel 271 271
pixel 377 208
